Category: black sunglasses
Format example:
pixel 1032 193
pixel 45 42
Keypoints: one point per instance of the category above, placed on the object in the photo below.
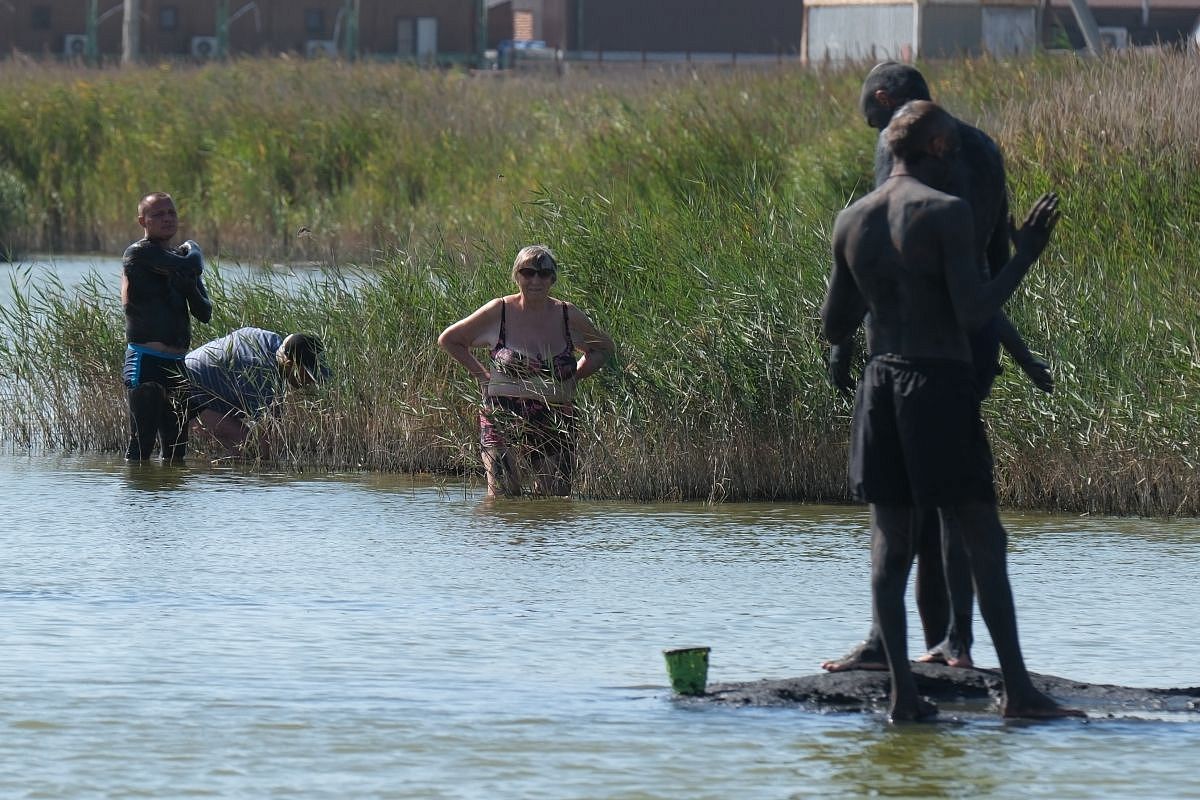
pixel 529 272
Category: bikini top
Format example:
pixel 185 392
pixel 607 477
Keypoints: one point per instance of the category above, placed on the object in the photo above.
pixel 517 365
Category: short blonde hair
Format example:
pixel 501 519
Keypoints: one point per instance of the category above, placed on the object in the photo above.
pixel 538 256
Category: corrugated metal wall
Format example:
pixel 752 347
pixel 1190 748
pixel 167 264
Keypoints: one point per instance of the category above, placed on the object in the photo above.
pixel 861 32
pixel 1009 32
pixel 945 31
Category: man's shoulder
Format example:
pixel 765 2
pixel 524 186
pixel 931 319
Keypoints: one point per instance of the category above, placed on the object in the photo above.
pixel 138 248
pixel 978 145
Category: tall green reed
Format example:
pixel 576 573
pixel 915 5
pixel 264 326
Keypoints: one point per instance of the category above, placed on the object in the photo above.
pixel 691 215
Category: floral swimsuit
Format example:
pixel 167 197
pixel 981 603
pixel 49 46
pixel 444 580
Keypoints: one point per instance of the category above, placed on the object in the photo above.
pixel 547 428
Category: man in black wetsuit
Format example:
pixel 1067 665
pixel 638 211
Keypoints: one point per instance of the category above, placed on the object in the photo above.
pixel 944 592
pixel 161 290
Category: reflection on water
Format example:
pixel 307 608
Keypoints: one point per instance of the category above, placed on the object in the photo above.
pixel 240 634
pixel 154 477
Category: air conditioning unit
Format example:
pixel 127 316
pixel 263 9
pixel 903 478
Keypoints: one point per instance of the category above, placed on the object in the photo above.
pixel 75 45
pixel 204 47
pixel 317 48
pixel 1114 38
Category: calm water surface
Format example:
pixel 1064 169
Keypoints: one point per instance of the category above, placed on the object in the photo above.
pixel 72 270
pixel 175 632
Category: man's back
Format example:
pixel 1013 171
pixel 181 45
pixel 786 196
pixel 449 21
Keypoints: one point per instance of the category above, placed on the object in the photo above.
pixel 899 243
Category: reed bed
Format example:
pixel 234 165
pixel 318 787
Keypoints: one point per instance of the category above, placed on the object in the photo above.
pixel 691 215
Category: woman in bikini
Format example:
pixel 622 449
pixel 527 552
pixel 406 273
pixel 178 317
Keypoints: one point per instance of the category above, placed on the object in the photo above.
pixel 527 415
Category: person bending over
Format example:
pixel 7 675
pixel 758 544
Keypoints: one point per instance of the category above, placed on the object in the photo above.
pixel 238 379
pixel 527 415
pixel 904 254
pixel 161 290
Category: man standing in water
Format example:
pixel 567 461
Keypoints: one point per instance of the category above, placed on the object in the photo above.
pixel 944 592
pixel 161 291
pixel 904 254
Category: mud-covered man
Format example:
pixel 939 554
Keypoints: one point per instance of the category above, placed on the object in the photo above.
pixel 161 290
pixel 904 254
pixel 944 592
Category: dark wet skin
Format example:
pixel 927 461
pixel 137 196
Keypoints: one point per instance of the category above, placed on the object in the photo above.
pixel 903 253
pixel 945 595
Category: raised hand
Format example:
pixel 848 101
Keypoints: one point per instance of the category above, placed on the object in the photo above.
pixel 1034 234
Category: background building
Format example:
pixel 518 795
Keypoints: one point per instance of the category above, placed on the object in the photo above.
pixel 690 26
pixel 456 31
pixel 420 29
pixel 873 30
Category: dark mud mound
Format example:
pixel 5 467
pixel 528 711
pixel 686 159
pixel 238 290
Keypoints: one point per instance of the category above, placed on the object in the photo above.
pixel 966 689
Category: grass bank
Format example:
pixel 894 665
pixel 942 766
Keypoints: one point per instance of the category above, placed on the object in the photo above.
pixel 691 213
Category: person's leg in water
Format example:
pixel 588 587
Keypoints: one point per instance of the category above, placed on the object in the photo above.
pixel 147 405
pixel 503 473
pixel 551 438
pixel 173 424
pixel 500 425
pixel 978 527
pixel 869 654
pixel 945 595
pixel 955 648
pixel 932 603
pixel 892 552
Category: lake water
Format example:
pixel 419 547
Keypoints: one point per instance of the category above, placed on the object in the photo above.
pixel 71 270
pixel 193 631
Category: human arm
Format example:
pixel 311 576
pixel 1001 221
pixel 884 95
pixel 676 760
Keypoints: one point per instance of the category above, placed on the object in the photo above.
pixel 197 296
pixel 188 282
pixel 976 301
pixel 837 369
pixel 1037 370
pixel 844 306
pixel 470 332
pixel 596 345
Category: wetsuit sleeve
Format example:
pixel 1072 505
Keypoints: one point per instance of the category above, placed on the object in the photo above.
pixel 142 257
pixel 198 300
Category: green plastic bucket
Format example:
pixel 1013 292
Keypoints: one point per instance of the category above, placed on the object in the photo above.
pixel 688 669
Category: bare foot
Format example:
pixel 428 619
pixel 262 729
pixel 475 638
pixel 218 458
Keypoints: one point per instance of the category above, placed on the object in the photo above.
pixel 866 655
pixel 919 709
pixel 950 654
pixel 1038 706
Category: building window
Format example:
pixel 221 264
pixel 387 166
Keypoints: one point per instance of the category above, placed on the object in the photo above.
pixel 41 18
pixel 314 21
pixel 168 18
pixel 523 26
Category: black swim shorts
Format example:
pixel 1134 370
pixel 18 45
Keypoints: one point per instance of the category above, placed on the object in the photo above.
pixel 917 437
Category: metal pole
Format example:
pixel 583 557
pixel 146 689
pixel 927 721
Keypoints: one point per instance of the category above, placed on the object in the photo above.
pixel 1087 26
pixel 131 27
pixel 353 8
pixel 223 29
pixel 579 25
pixel 480 33
pixel 91 48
